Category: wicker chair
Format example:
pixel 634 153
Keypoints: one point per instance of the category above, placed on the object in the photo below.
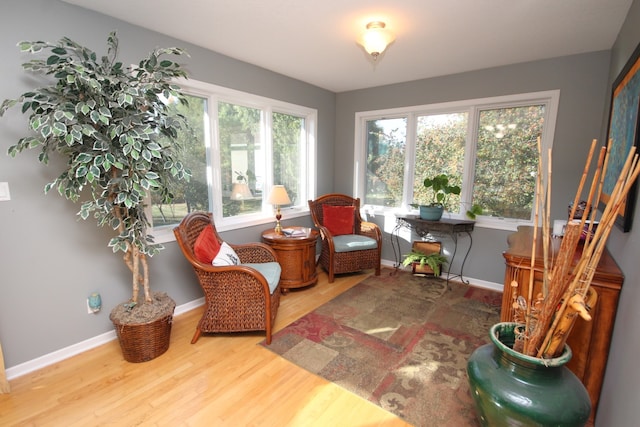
pixel 237 297
pixel 338 254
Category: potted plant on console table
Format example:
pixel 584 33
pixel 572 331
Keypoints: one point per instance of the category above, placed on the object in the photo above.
pixel 438 192
pixel 117 133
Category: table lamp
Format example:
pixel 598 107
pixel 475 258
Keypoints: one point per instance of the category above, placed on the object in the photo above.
pixel 277 197
pixel 240 191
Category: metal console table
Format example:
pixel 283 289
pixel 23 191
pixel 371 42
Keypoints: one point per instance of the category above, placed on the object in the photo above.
pixel 426 229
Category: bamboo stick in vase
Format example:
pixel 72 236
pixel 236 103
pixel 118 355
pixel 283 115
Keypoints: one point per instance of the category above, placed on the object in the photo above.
pixel 599 193
pixel 579 286
pixel 627 177
pixel 546 235
pixel 529 322
pixel 560 281
pixel 577 306
pixel 583 179
pixel 593 191
pixel 590 256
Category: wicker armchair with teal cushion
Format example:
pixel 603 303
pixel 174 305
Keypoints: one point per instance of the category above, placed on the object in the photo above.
pixel 240 282
pixel 349 244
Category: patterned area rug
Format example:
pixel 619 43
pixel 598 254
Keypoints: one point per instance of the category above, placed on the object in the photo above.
pixel 400 341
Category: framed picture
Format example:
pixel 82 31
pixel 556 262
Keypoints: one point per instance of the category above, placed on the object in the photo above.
pixel 623 133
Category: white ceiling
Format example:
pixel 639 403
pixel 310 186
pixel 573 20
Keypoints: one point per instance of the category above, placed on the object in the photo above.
pixel 315 40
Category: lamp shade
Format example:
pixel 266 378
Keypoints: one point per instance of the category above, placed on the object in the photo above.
pixel 240 191
pixel 278 196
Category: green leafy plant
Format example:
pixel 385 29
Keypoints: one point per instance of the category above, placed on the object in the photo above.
pixel 113 126
pixel 434 260
pixel 474 211
pixel 439 190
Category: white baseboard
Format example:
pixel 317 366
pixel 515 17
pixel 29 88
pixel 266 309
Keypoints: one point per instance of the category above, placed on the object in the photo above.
pixel 72 350
pixel 188 306
pixel 499 287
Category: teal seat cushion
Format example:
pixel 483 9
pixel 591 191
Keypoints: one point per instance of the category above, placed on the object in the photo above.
pixel 353 242
pixel 270 270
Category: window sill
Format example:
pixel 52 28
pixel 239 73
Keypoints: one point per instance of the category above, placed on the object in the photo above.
pixel 165 234
pixel 481 222
pixel 500 224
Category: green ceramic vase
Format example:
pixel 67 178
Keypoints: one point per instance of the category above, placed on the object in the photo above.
pixel 512 389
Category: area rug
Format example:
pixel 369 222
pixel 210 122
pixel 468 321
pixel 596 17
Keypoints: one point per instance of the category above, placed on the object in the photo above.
pixel 399 341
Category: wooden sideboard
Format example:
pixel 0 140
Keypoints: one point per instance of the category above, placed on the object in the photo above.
pixel 589 341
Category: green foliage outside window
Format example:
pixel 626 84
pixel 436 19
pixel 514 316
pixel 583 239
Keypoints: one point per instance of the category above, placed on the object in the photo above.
pixel 287 151
pixel 386 139
pixel 505 161
pixel 241 150
pixel 193 195
pixel 242 159
pixel 439 150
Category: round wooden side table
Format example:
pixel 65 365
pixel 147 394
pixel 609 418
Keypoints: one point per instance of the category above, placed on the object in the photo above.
pixel 296 255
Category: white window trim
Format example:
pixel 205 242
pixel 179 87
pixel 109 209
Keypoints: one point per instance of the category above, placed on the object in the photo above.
pixel 308 181
pixel 473 107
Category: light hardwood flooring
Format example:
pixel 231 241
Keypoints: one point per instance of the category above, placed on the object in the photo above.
pixel 221 380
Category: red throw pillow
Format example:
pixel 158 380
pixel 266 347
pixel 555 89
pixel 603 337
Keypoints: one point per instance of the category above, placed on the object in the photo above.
pixel 206 246
pixel 338 219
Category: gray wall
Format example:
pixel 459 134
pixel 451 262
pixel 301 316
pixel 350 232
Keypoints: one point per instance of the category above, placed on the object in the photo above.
pixel 51 261
pixel 620 398
pixel 582 82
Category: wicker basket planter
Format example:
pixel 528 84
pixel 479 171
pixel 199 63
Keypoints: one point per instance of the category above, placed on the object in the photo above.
pixel 416 268
pixel 426 248
pixel 141 342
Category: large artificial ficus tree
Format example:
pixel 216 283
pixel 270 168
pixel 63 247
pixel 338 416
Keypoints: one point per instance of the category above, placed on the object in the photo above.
pixel 113 126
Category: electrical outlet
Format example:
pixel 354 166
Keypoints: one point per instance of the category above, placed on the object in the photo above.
pixel 5 195
pixel 94 303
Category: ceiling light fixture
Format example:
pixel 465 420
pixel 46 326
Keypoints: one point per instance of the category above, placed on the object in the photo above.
pixel 376 38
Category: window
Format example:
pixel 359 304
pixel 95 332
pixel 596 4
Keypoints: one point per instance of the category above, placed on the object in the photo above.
pixel 192 195
pixel 487 146
pixel 238 146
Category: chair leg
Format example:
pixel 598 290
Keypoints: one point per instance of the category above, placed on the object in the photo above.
pixel 378 270
pixel 196 336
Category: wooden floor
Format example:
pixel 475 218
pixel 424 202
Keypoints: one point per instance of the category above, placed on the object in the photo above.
pixel 219 381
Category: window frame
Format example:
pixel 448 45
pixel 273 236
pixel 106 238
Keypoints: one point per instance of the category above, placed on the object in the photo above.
pixel 215 94
pixel 550 99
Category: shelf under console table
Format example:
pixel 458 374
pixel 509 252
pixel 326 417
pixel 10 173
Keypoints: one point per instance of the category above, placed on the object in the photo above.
pixel 447 227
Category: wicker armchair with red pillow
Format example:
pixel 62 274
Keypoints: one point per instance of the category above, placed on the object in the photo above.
pixel 349 244
pixel 240 282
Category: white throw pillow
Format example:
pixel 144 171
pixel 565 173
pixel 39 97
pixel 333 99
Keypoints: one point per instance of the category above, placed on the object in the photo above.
pixel 226 256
